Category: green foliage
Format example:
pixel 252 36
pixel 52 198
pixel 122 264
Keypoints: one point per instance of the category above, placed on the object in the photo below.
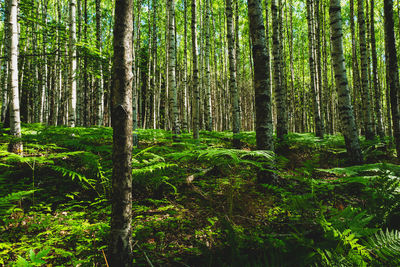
pixel 385 246
pixel 73 175
pixel 34 259
pixel 197 203
pixel 8 202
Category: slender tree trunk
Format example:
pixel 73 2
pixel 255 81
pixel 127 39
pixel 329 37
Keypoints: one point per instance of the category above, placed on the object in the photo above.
pixel 99 80
pixel 185 78
pixel 238 62
pixel 393 72
pixel 293 105
pixel 345 109
pixel 6 67
pixel 280 93
pixel 313 74
pixel 232 75
pixel 172 69
pixel 377 89
pixel 72 62
pixel 318 68
pixel 369 134
pixel 120 246
pixel 207 99
pixel 196 95
pixel 356 71
pixel 15 145
pixel 135 138
pixel 86 105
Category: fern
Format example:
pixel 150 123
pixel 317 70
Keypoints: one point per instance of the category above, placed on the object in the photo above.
pixel 7 202
pixel 152 168
pixel 385 245
pixel 72 174
pixel 347 241
pixel 354 219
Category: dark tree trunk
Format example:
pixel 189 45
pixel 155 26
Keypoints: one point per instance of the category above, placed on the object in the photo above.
pixel 393 72
pixel 120 246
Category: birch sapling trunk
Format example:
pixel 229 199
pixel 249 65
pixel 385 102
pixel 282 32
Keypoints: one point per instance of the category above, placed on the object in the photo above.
pixel 73 66
pixel 208 113
pixel 196 93
pixel 232 75
pixel 99 80
pixel 185 82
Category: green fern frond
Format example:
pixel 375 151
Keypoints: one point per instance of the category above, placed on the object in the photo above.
pixel 152 168
pixel 356 220
pixel 72 174
pixel 385 245
pixel 7 202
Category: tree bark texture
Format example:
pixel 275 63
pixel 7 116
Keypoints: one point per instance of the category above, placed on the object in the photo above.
pixel 344 105
pixel 369 134
pixel 120 246
pixel 73 66
pixel 15 145
pixel 392 70
pixel 262 87
pixel 232 74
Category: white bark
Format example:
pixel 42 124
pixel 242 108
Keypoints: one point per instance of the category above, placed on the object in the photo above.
pixel 73 66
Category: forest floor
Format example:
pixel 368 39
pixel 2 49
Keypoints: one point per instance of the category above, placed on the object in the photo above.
pixel 197 203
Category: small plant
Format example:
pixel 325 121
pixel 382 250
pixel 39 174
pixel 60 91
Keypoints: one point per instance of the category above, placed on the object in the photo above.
pixel 34 259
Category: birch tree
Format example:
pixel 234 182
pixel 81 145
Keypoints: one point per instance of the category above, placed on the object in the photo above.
pixel 262 88
pixel 15 145
pixel 173 100
pixel 196 93
pixel 232 74
pixel 120 246
pixel 369 134
pixel 73 65
pixel 344 105
pixel 279 89
pixel 392 70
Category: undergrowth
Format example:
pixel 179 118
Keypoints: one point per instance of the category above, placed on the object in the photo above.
pixel 197 203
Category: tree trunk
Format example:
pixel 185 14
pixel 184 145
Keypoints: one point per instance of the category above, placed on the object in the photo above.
pixel 120 246
pixel 99 80
pixel 262 88
pixel 5 66
pixel 393 72
pixel 72 62
pixel 356 71
pixel 280 92
pixel 15 145
pixel 377 89
pixel 319 131
pixel 207 99
pixel 172 69
pixel 185 70
pixel 345 108
pixel 196 95
pixel 232 75
pixel 369 134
